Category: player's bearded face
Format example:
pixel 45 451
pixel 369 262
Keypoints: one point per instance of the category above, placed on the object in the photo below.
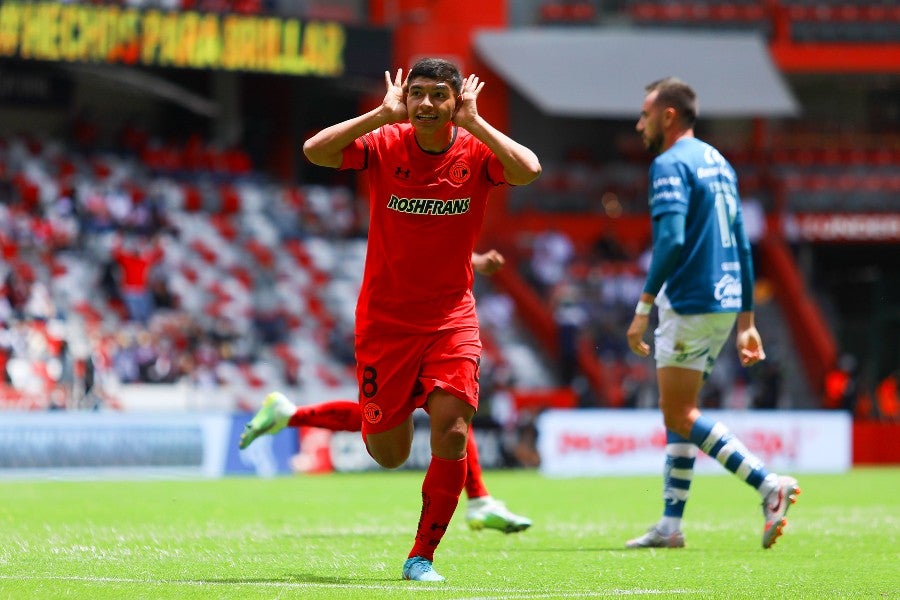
pixel 650 125
pixel 653 137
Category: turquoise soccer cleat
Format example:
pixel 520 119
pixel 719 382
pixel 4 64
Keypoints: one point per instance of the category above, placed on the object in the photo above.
pixel 419 568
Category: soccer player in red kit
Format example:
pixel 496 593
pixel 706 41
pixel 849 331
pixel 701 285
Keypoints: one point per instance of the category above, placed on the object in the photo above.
pixel 483 511
pixel 432 161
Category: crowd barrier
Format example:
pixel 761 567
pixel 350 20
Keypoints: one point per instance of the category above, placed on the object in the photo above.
pixel 143 445
pixel 620 442
pixel 135 446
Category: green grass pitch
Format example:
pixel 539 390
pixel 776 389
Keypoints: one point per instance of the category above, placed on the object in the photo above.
pixel 346 536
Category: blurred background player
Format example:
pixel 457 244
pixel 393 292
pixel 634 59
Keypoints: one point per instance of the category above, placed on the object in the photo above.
pixel 701 278
pixel 483 511
pixel 432 161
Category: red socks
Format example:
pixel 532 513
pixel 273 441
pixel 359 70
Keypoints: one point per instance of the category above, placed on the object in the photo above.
pixel 443 483
pixel 345 415
pixel 475 487
pixel 339 415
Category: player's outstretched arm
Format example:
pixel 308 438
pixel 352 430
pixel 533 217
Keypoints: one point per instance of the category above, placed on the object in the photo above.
pixel 326 147
pixel 520 165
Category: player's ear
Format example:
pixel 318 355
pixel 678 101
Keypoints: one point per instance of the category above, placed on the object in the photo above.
pixel 670 115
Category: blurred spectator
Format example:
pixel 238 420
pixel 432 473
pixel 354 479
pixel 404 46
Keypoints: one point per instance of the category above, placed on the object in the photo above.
pixel 571 317
pixel 526 451
pixel 124 358
pixel 887 397
pixel 85 132
pixel 163 299
pixel 607 247
pixel 551 253
pixel 136 258
pixel 842 384
pixel 133 137
pixel 268 318
pixel 16 292
pixel 496 310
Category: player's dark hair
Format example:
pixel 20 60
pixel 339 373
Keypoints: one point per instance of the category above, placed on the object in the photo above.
pixel 439 70
pixel 672 92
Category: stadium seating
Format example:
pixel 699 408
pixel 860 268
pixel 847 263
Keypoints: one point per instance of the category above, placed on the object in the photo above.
pixel 257 287
pixel 871 21
pixel 259 280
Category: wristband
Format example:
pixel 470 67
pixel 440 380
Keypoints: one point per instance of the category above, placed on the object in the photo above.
pixel 643 308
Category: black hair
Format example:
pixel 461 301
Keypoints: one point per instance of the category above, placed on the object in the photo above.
pixel 439 70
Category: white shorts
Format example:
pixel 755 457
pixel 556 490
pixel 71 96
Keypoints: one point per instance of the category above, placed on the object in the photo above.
pixel 691 341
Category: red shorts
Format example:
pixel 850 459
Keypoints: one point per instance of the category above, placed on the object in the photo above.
pixel 397 372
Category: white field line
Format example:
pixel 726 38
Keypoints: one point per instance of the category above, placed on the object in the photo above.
pixel 495 594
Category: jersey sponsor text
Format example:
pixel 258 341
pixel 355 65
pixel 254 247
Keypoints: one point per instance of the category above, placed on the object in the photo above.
pixel 728 292
pixel 429 206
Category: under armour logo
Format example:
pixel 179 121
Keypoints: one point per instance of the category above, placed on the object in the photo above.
pixel 401 172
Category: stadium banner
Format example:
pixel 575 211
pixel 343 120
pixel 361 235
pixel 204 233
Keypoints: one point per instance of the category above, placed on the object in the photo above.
pixel 592 442
pixel 86 33
pixel 268 456
pixel 347 452
pixel 90 445
pixel 848 227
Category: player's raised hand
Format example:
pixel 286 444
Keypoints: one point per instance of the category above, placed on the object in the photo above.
pixel 467 109
pixel 394 103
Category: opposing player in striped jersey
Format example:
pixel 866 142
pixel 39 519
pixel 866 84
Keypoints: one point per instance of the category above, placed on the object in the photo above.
pixel 701 279
pixel 432 161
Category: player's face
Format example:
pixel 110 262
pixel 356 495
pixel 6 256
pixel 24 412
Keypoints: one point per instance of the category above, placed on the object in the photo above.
pixel 430 103
pixel 649 125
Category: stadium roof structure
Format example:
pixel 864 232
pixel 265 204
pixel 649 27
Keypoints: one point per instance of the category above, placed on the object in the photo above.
pixel 601 73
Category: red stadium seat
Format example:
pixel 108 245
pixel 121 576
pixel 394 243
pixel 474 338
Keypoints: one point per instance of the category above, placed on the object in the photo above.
pixel 193 201
pixel 230 200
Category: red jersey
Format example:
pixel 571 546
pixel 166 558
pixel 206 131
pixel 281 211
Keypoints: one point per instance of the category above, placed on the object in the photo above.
pixel 136 266
pixel 426 211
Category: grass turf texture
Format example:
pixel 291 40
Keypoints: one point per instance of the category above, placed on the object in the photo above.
pixel 347 535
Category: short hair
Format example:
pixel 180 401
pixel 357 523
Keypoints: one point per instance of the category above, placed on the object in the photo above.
pixel 672 92
pixel 439 70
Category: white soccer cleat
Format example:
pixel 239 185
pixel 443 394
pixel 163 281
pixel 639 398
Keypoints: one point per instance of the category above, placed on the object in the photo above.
pixel 654 538
pixel 490 513
pixel 775 507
